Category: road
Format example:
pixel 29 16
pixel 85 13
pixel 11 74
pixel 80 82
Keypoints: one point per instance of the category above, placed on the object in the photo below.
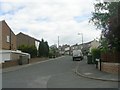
pixel 56 73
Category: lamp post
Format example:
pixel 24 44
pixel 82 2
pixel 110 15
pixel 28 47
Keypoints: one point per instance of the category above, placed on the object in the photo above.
pixel 82 37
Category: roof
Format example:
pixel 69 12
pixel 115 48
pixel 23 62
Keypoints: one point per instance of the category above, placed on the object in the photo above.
pixel 28 36
pixel 3 21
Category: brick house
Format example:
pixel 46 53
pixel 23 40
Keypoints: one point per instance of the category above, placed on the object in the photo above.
pixel 24 39
pixel 8 41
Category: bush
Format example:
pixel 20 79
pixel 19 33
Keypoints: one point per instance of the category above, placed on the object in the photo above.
pixel 95 54
pixel 32 50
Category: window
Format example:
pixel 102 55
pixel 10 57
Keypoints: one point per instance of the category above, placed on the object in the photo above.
pixel 8 38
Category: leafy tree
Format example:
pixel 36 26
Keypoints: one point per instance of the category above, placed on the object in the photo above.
pixel 53 51
pixel 105 17
pixel 104 44
pixel 103 12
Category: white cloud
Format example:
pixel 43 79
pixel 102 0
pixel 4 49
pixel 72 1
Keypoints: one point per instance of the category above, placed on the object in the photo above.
pixel 49 19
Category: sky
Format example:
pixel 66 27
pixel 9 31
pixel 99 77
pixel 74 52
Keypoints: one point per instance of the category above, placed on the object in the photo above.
pixel 49 19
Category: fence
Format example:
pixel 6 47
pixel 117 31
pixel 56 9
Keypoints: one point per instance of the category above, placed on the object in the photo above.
pixel 113 57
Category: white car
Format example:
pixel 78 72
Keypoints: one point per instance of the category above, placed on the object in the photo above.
pixel 77 55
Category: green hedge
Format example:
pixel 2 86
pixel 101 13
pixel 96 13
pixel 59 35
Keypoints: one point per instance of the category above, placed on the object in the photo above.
pixel 95 54
pixel 29 49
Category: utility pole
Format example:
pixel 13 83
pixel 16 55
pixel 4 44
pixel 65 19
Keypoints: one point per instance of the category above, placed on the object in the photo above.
pixel 58 45
pixel 58 42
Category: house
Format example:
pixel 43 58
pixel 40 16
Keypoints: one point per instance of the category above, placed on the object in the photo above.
pixel 8 41
pixel 86 47
pixel 8 45
pixel 24 39
pixel 67 50
pixel 94 44
pixel 64 49
pixel 75 47
pixel 61 50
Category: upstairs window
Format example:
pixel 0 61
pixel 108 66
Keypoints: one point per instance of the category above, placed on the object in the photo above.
pixel 8 39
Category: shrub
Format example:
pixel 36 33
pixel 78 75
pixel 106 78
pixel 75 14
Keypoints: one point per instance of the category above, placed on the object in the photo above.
pixel 95 54
pixel 32 50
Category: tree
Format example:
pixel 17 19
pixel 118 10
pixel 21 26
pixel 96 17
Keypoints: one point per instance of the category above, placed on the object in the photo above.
pixel 40 49
pixel 43 49
pixel 46 46
pixel 53 51
pixel 105 17
pixel 103 12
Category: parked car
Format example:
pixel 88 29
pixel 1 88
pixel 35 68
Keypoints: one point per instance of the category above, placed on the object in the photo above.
pixel 77 55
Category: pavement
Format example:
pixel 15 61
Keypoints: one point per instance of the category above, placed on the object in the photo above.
pixel 90 71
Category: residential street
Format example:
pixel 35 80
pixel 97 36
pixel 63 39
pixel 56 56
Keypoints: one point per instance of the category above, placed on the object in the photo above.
pixel 55 73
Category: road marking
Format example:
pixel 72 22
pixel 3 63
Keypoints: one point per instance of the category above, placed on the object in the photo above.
pixel 87 73
pixel 39 82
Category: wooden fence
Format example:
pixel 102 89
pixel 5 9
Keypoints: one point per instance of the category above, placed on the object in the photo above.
pixel 113 57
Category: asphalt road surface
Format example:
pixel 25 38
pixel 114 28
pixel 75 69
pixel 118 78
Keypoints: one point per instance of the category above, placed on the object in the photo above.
pixel 55 73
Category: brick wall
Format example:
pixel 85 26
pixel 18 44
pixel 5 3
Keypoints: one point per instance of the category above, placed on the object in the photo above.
pixel 10 63
pixel 110 67
pixel 14 57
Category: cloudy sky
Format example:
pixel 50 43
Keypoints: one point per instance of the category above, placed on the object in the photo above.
pixel 49 19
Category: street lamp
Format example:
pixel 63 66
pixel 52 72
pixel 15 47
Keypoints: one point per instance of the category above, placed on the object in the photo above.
pixel 82 37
